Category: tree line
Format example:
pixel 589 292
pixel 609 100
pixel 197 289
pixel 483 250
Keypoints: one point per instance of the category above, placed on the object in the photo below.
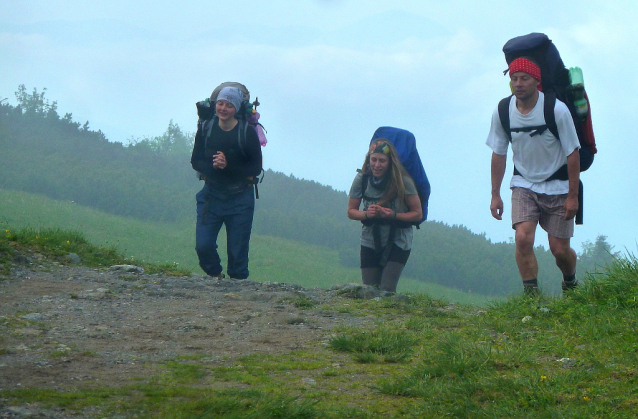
pixel 151 179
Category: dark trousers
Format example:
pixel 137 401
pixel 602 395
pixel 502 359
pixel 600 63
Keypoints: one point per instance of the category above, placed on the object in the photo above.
pixel 385 277
pixel 236 213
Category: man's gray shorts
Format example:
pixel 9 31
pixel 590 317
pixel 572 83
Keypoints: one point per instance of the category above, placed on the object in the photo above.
pixel 547 210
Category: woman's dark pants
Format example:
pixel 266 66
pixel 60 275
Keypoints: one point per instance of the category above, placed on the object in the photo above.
pixel 236 213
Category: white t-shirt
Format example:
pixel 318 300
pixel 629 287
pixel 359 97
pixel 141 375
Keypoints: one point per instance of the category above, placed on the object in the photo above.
pixel 540 156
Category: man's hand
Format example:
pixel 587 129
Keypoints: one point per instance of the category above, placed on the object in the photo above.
pixel 571 207
pixel 497 172
pixel 496 206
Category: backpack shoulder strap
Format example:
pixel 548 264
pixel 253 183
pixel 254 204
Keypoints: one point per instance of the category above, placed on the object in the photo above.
pixel 550 120
pixel 208 126
pixel 241 136
pixel 364 182
pixel 548 113
pixel 504 115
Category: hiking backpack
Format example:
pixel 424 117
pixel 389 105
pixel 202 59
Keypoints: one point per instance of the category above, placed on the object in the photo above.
pixel 247 116
pixel 405 144
pixel 558 83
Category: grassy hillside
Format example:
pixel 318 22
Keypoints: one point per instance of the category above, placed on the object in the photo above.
pixel 47 155
pixel 152 182
pixel 272 259
pixel 571 357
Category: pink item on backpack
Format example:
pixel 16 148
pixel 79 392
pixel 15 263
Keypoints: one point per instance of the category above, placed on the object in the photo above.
pixel 253 119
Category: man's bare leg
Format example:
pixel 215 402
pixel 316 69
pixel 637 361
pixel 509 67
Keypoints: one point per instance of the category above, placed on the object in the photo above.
pixel 565 260
pixel 525 257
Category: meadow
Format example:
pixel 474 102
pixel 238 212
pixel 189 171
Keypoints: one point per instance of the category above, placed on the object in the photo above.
pixel 272 259
pixel 573 356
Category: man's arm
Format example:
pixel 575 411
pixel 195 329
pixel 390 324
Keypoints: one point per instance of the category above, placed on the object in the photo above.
pixel 573 171
pixel 498 172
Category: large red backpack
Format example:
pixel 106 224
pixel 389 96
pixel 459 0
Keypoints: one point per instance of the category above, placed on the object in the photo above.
pixel 556 85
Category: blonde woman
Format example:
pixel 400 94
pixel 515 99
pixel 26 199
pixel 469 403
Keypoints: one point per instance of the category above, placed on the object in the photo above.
pixel 391 206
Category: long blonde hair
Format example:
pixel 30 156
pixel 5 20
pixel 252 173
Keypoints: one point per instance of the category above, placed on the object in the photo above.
pixel 396 187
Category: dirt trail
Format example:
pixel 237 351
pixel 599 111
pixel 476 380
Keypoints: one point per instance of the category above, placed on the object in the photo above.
pixel 64 327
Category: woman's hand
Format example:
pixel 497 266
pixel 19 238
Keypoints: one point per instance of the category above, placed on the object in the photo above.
pixel 386 212
pixel 373 211
pixel 219 160
pixel 377 211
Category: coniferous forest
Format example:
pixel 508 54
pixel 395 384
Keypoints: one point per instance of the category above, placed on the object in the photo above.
pixel 151 179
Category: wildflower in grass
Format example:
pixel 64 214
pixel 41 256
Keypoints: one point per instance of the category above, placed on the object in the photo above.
pixel 586 398
pixel 543 378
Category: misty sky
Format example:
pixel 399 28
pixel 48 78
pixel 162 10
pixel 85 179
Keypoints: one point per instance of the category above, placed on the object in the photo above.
pixel 328 73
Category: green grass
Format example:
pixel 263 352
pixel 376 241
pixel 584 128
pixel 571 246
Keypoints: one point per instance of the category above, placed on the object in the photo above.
pixel 386 344
pixel 145 241
pixel 171 247
pixel 541 357
pixel 300 301
pixel 56 244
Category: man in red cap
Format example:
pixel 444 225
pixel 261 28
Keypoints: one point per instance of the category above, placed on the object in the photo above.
pixel 537 197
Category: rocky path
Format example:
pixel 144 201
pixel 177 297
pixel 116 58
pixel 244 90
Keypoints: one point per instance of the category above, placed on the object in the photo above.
pixel 64 327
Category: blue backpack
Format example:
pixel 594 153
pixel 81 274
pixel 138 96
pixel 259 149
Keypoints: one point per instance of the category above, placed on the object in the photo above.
pixel 405 144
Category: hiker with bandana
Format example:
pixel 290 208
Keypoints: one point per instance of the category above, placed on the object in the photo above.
pixel 390 205
pixel 538 197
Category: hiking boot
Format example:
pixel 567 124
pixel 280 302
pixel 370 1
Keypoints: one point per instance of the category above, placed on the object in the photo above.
pixel 531 291
pixel 569 285
pixel 218 277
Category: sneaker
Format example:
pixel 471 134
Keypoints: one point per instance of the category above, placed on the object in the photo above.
pixel 532 291
pixel 218 277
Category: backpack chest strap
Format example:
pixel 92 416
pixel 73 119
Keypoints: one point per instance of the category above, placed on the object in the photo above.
pixel 548 114
pixel 537 130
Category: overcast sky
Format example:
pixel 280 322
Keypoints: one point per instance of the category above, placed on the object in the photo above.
pixel 328 73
